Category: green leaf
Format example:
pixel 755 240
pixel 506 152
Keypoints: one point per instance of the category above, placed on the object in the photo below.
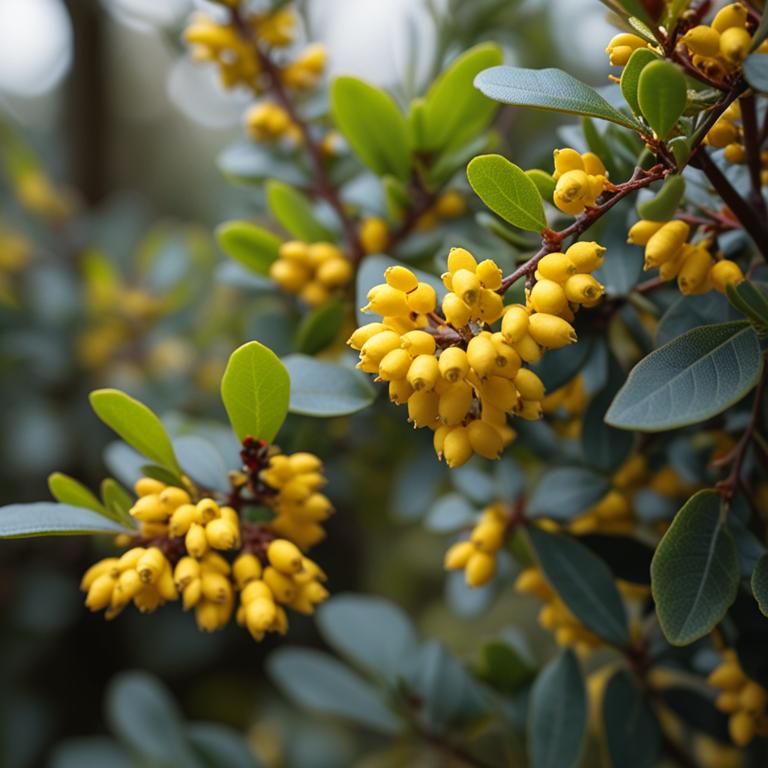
pixel 326 389
pixel 760 584
pixel 630 76
pixel 255 389
pixel 632 733
pixel 162 475
pixel 543 181
pixel 550 89
pixel 136 424
pixel 67 490
pixel 249 163
pixel 371 122
pixel 756 71
pixel 665 202
pixel 44 518
pixel 143 715
pixel 690 379
pixel 320 328
pixel 630 8
pixel 689 312
pixel 221 746
pixel 695 571
pixel 751 299
pixel 761 32
pixel 661 95
pixel 318 682
pixel 507 191
pixel 295 213
pixel 567 492
pixel 557 719
pixel 117 500
pixel 502 666
pixel 583 582
pixel 454 112
pixel 202 463
pixel 369 631
pixel 254 247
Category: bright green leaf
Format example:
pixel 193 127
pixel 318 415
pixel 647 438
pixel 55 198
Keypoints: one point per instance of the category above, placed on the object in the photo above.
pixel 665 202
pixel 136 424
pixel 320 328
pixel 254 247
pixel 325 389
pixel 45 518
pixel 507 191
pixel 543 181
pixel 690 379
pixel 373 125
pixel 557 718
pixel 550 89
pixel 295 213
pixel 630 76
pixel 661 95
pixel 255 389
pixel 117 500
pixel 695 571
pixel 67 490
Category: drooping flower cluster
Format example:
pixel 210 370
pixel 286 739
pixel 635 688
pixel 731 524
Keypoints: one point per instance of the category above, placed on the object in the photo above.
pixel 181 545
pixel 692 264
pixel 580 180
pixel 743 699
pixel 727 134
pixel 477 555
pixel 313 271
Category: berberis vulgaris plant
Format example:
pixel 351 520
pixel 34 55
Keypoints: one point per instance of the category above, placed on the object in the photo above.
pixel 601 337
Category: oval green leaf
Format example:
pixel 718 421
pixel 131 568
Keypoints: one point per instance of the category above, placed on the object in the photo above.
pixel 508 191
pixel 630 76
pixel 661 95
pixel 67 490
pixel 692 378
pixel 751 299
pixel 136 424
pixel 255 389
pixel 583 582
pixel 371 122
pixel 295 213
pixel 326 389
pixel 254 247
pixel 695 571
pixel 320 328
pixel 557 719
pixel 45 518
pixel 665 202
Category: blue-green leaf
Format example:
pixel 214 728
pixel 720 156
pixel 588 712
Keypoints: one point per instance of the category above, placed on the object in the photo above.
pixel 45 518
pixel 567 492
pixel 295 213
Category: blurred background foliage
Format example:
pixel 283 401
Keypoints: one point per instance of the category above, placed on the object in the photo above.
pixel 110 276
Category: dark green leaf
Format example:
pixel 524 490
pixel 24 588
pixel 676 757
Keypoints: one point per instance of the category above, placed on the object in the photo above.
pixel 690 379
pixel 557 719
pixel 629 559
pixel 371 122
pixel 751 299
pixel 295 213
pixel 550 89
pixel 117 500
pixel 690 312
pixel 45 518
pixel 321 328
pixel 630 76
pixel 220 746
pixel 760 584
pixel 255 389
pixel 559 366
pixel 326 389
pixel 662 95
pixel 507 191
pixel 567 492
pixel 632 733
pixel 67 490
pixel 501 666
pixel 323 685
pixel 136 424
pixel 695 571
pixel 583 582
pixel 254 247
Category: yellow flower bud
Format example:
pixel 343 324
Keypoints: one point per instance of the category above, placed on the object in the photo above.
pixel 363 333
pixel 456 312
pixel 461 258
pixel 528 349
pixel 481 568
pixel 422 299
pixel 529 385
pixel 221 534
pixel 453 364
pixel 458 555
pixel 195 541
pixel 530 410
pixel 296 251
pixel 572 186
pixel 724 272
pixel 285 556
pixel 207 510
pixel 514 324
pixel 314 294
pixel 401 278
pixel 255 590
pixel 457 449
pixel 742 728
pixel 489 274
pixel 182 517
pixel 150 565
pixel 753 697
pixel 422 408
pixel 466 285
pixel 260 615
pixel 733 15
pixel 487 442
pixel 664 244
pixel 146 486
pixel 378 345
pixel 418 343
pixel 642 231
pixel 387 301
pixel 566 160
pixel 289 275
pixel 186 571
pixel 728 702
pixel 282 586
pixel 100 592
pixel 490 306
pixel 423 373
pixel 400 391
pixel 501 393
pixel 703 40
pixel 552 331
pixel 581 289
pixel 593 165
pixel 335 273
pixel 507 359
pixel 107 566
pixel 374 236
pixel 455 403
pixel 622 46
pixel 735 153
pixel 450 205
pixel 735 43
pixel 149 509
pixel 394 365
pixel 531 582
pixel 694 271
pixel 586 256
pixel 488 534
pixel 557 267
pixel 722 133
pixel 549 297
pixel 481 355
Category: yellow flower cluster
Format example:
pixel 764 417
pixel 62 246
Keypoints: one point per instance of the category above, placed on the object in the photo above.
pixel 622 46
pixel 313 271
pixel 744 700
pixel 304 72
pixel 718 49
pixel 299 506
pixel 727 134
pixel 449 205
pixel 477 555
pixel 554 616
pixel 580 180
pixel 268 121
pixel 668 250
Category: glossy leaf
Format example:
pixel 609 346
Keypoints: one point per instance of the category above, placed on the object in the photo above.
pixel 630 76
pixel 557 718
pixel 295 213
pixel 665 202
pixel 567 492
pixel 136 424
pixel 695 571
pixel 750 298
pixel 689 312
pixel 44 518
pixel 690 379
pixel 254 247
pixel 583 582
pixel 326 389
pixel 255 389
pixel 756 71
pixel 67 490
pixel 550 89
pixel 662 96
pixel 760 583
pixel 508 191
pixel 373 125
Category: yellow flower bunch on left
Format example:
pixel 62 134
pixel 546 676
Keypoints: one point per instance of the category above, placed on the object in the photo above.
pixel 579 180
